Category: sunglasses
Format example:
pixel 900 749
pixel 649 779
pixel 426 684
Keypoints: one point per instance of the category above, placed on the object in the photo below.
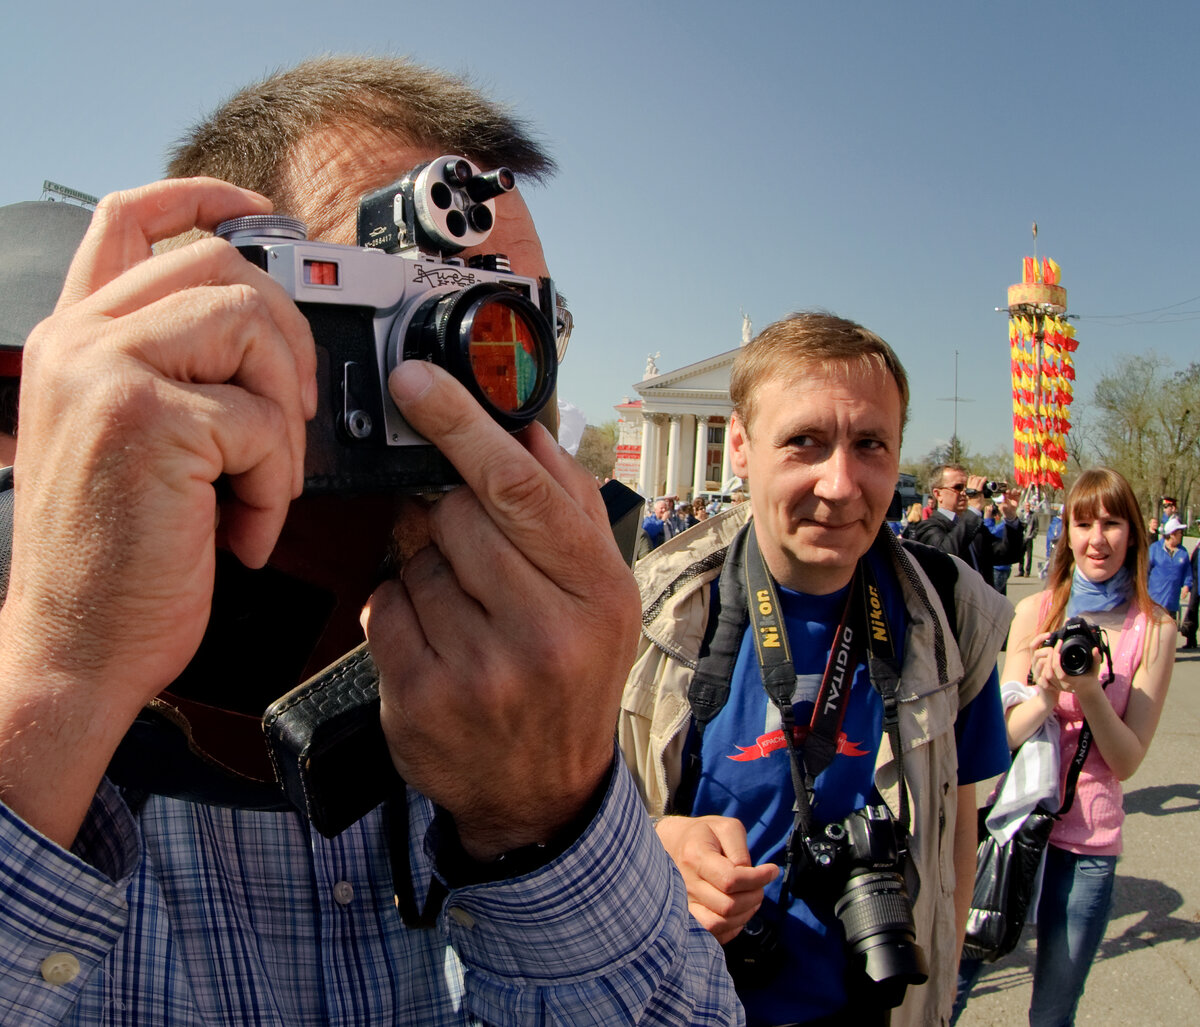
pixel 955 488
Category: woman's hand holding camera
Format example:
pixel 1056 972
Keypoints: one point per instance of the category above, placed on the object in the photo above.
pixel 1047 671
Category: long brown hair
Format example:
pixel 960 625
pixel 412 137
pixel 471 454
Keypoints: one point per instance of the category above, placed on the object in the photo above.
pixel 1096 488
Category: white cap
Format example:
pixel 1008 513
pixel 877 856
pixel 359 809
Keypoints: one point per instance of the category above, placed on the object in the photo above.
pixel 1173 524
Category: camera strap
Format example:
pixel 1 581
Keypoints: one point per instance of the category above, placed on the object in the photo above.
pixel 1082 749
pixel 734 606
pixel 863 628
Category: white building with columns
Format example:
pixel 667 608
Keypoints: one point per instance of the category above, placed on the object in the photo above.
pixel 678 430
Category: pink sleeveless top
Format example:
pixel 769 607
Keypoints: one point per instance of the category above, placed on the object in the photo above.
pixel 1092 826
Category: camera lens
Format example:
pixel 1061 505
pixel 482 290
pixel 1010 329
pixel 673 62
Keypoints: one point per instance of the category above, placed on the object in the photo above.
pixel 876 915
pixel 503 353
pixel 1076 656
pixel 494 341
pixel 457 171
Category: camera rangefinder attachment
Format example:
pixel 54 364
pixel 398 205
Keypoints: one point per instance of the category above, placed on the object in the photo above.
pixel 404 295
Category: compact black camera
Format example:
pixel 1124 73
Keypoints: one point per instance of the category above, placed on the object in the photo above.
pixel 1078 639
pixel 863 858
pixel 403 295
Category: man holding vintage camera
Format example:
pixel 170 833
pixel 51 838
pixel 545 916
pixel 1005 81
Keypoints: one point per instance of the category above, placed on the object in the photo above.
pixel 163 428
pixel 812 702
pixel 957 525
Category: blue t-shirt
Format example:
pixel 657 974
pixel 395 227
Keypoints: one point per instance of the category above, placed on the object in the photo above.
pixel 745 774
pixel 1168 573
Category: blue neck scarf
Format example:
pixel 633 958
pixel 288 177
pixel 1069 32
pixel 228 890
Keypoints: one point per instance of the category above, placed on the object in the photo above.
pixel 1098 596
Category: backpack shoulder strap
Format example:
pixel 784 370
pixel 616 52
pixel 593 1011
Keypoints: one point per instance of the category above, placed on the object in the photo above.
pixel 940 570
pixel 6 528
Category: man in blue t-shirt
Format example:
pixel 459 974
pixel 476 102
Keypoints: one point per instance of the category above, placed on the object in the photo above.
pixel 819 408
pixel 1170 569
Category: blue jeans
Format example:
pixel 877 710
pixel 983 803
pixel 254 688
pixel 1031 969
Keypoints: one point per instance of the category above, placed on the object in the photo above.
pixel 1072 917
pixel 1073 913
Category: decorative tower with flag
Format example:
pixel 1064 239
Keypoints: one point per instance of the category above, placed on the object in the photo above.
pixel 1041 342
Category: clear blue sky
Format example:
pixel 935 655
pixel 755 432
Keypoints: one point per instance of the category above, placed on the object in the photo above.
pixel 881 160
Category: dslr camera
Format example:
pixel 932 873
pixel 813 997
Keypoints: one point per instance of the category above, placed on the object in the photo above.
pixel 1078 639
pixel 861 859
pixel 864 856
pixel 403 294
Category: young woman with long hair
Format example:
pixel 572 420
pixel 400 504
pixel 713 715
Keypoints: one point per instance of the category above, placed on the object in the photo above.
pixel 1097 571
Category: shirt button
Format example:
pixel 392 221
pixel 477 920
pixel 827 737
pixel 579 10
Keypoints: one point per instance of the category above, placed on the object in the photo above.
pixel 60 968
pixel 343 893
pixel 461 917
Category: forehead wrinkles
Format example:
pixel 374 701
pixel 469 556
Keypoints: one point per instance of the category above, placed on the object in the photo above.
pixel 867 378
pixel 328 170
pixel 862 413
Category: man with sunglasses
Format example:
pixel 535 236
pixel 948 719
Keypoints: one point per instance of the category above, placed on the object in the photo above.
pixel 957 525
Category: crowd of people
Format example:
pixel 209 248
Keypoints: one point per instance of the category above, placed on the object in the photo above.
pixel 802 701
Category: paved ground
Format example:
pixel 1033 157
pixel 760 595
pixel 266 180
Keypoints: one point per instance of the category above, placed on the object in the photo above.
pixel 1148 969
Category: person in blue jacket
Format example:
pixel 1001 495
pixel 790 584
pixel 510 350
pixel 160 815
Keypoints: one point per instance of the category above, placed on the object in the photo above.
pixel 1170 568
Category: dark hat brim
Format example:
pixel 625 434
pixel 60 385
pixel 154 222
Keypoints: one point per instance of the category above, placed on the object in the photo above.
pixel 37 241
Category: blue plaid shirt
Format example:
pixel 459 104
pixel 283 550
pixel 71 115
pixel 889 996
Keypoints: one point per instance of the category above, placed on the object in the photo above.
pixel 191 914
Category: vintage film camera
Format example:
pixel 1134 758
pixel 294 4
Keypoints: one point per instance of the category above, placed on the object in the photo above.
pixel 862 860
pixel 402 294
pixel 1078 639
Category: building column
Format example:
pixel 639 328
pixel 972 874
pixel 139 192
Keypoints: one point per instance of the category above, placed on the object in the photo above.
pixel 699 473
pixel 726 468
pixel 673 440
pixel 648 455
pixel 656 476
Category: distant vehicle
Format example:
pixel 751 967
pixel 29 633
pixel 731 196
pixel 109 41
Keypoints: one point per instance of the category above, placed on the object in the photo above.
pixel 723 500
pixel 903 497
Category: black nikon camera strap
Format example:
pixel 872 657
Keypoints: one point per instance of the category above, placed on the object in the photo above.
pixel 747 597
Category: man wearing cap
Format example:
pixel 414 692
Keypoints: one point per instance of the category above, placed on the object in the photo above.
pixel 512 876
pixel 1170 580
pixel 1169 509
